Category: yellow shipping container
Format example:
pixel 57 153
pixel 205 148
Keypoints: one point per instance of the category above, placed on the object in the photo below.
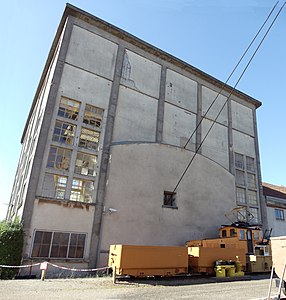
pixel 140 261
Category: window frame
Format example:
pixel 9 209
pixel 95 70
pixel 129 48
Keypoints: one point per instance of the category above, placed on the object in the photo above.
pixel 64 135
pixel 51 244
pixel 279 214
pixel 68 111
pixel 57 158
pixel 169 200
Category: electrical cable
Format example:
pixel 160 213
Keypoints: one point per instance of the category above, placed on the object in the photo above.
pixel 232 90
pixel 232 72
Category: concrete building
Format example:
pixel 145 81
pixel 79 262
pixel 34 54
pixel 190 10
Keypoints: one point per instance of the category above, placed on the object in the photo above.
pixel 275 199
pixel 105 144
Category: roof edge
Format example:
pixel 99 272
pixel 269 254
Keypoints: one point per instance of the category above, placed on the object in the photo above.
pixel 71 10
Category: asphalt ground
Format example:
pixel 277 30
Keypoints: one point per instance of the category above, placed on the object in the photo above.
pixel 188 287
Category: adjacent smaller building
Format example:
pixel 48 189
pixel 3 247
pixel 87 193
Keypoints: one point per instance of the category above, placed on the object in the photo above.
pixel 275 199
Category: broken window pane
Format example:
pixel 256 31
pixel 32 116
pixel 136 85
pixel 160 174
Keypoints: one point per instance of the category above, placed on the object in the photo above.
pixel 82 190
pixel 169 199
pixel 89 139
pixel 64 132
pixel 93 116
pixel 85 164
pixel 59 158
pixel 60 186
pixel 68 108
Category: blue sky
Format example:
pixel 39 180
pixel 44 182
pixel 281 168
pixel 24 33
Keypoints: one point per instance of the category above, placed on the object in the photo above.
pixel 208 34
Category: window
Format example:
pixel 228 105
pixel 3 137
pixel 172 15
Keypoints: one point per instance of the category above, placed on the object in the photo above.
pixel 69 108
pixel 251 179
pixel 58 244
pixel 240 195
pixel 89 139
pixel 240 180
pixel 59 158
pixel 252 197
pixel 169 199
pixel 64 133
pixel 85 164
pixel 250 166
pixel 241 234
pixel 223 233
pixel 232 232
pixel 60 186
pixel 253 214
pixel 93 116
pixel 241 214
pixel 239 162
pixel 82 190
pixel 279 214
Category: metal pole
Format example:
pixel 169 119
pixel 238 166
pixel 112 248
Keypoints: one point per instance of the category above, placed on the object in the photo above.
pixel 281 280
pixel 270 283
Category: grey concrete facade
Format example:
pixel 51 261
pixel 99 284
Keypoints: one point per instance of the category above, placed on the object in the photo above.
pixel 151 103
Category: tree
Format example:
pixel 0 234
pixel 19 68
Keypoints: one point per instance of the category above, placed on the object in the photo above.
pixel 11 245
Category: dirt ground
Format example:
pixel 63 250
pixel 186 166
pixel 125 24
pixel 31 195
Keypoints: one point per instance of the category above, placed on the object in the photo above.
pixel 248 288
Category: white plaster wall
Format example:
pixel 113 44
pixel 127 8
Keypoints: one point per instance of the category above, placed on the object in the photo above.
pixel 208 96
pixel 243 143
pixel 85 87
pixel 137 178
pixel 92 52
pixel 178 126
pixel 278 226
pixel 181 91
pixel 136 117
pixel 215 145
pixel 141 74
pixel 242 118
pixel 61 217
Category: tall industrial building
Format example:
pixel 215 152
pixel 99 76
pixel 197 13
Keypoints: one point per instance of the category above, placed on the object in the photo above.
pixel 106 142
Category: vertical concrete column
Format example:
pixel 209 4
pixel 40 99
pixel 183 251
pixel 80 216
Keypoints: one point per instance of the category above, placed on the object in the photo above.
pixel 199 119
pixel 261 198
pixel 161 106
pixel 48 115
pixel 97 220
pixel 230 138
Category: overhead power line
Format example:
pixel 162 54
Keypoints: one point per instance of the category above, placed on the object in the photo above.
pixel 232 72
pixel 232 90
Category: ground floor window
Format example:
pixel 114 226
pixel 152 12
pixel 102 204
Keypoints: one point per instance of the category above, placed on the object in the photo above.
pixel 51 244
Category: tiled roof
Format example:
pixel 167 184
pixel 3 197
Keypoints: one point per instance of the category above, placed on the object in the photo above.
pixel 272 190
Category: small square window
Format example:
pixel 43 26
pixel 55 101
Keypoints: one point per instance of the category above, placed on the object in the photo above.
pixel 279 214
pixel 169 199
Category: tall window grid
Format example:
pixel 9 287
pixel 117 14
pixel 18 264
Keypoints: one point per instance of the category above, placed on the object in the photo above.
pixel 246 185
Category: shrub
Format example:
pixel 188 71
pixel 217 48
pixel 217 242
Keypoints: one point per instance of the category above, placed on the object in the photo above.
pixel 11 245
